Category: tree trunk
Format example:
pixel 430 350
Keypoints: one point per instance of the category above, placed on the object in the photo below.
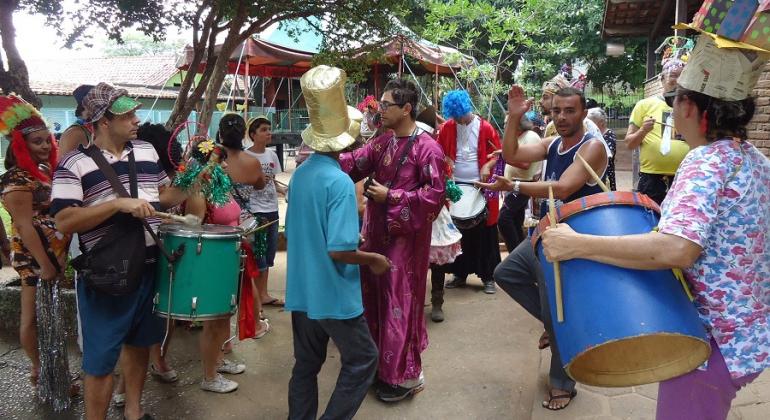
pixel 184 102
pixel 16 77
pixel 220 66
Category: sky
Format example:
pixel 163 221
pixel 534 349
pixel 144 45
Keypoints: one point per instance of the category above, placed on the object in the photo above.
pixel 35 39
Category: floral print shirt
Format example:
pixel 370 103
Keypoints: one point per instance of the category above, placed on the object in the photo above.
pixel 720 199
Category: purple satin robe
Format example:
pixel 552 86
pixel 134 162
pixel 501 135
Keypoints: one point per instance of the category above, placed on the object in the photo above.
pixel 400 230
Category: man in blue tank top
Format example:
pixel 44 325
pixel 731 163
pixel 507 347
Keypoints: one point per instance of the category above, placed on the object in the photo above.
pixel 520 274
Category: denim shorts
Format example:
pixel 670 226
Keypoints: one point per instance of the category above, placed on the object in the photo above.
pixel 108 322
pixel 267 260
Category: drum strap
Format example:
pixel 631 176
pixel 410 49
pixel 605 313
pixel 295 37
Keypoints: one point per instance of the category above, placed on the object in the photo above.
pixel 120 190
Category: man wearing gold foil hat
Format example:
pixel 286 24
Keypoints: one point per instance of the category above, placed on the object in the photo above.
pixel 323 285
pixel 715 225
pixel 405 167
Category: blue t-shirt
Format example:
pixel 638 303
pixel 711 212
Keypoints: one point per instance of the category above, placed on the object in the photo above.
pixel 322 216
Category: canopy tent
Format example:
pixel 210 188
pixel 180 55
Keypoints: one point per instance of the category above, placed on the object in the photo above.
pixel 257 57
pixel 432 58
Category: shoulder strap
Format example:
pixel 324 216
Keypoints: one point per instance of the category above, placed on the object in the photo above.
pixel 109 172
pixel 120 190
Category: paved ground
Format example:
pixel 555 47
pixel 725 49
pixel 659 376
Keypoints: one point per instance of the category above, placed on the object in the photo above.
pixel 482 363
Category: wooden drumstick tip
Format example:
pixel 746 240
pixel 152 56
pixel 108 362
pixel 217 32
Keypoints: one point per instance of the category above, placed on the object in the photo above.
pixel 556 267
pixel 593 173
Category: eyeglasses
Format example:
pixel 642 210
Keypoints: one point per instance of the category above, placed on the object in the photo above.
pixel 384 105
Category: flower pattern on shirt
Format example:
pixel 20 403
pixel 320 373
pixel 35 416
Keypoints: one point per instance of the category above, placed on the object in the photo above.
pixel 720 199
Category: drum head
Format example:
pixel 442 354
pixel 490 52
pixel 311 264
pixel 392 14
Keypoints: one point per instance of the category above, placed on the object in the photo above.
pixel 471 204
pixel 248 223
pixel 204 231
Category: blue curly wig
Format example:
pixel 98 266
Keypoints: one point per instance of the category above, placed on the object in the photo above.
pixel 456 104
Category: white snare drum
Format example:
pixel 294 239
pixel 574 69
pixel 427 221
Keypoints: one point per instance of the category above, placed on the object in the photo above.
pixel 471 209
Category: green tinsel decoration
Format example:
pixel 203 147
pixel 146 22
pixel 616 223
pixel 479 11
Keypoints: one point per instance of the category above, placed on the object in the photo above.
pixel 260 243
pixel 453 192
pixel 217 189
pixel 215 186
pixel 186 178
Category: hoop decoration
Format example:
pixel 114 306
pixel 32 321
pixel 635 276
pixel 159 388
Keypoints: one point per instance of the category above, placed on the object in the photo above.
pixel 201 166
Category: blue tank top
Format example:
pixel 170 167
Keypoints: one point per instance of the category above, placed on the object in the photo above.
pixel 557 163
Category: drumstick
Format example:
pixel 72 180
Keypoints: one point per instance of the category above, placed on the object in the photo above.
pixel 280 183
pixel 593 173
pixel 556 267
pixel 188 219
pixel 664 124
pixel 258 228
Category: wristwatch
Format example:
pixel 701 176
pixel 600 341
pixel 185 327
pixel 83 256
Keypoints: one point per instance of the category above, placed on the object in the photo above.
pixel 516 186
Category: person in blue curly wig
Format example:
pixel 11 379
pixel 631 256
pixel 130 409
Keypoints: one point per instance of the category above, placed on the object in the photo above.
pixel 456 104
pixel 468 140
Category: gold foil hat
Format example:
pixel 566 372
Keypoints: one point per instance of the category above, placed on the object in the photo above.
pixel 356 118
pixel 330 124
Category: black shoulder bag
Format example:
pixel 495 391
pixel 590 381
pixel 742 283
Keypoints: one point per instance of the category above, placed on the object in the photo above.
pixel 116 263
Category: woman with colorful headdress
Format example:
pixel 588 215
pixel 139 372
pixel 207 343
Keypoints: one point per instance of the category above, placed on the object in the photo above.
pixel 38 250
pixel 209 164
pixel 714 225
pixel 369 108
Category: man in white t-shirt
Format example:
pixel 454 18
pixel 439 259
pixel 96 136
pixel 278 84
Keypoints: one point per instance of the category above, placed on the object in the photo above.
pixel 263 204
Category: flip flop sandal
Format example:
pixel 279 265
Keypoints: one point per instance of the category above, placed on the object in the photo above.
pixel 274 302
pixel 264 331
pixel 552 396
pixel 544 342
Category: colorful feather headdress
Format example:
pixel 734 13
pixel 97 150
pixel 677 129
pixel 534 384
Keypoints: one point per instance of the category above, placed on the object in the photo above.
pixel 17 119
pixel 369 101
pixel 18 114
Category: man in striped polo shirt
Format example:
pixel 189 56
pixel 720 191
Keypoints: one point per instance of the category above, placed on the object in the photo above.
pixel 83 201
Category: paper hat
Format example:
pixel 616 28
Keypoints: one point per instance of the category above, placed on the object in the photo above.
pixel 330 125
pixel 255 119
pixel 729 74
pixel 556 83
pixel 103 97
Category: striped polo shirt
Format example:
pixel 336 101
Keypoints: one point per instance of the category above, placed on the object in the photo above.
pixel 79 182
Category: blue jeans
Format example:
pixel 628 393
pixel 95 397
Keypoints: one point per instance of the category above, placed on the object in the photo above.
pixel 266 261
pixel 359 364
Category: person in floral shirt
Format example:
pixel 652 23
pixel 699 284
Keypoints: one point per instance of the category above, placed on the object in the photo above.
pixel 715 225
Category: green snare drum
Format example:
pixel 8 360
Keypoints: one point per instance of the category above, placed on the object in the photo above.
pixel 204 282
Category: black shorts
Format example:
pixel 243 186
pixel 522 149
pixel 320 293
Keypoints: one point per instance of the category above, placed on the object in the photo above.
pixel 655 186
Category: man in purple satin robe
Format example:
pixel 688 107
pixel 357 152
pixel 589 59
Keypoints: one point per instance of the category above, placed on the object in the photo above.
pixel 405 193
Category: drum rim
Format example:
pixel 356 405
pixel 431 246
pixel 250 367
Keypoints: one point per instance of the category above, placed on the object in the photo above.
pixel 629 198
pixel 703 341
pixel 170 229
pixel 187 317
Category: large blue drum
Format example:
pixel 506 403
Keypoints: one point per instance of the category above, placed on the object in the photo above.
pixel 621 327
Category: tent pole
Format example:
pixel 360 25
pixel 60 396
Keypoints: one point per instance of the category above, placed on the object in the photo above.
pixel 401 61
pixel 248 93
pixel 376 81
pixel 435 89
pixel 289 79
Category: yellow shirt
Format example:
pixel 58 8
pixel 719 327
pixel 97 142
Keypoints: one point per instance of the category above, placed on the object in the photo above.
pixel 650 158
